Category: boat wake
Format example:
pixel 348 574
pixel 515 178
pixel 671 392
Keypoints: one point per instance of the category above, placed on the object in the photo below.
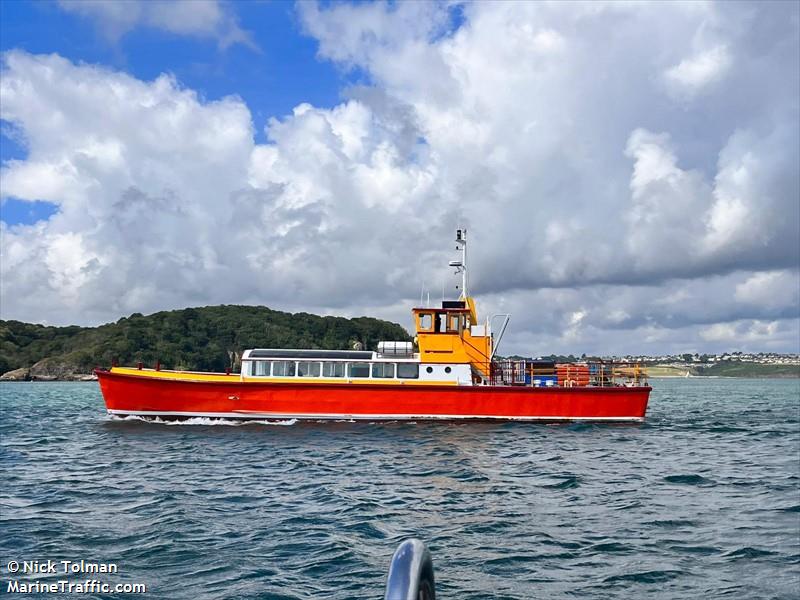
pixel 206 421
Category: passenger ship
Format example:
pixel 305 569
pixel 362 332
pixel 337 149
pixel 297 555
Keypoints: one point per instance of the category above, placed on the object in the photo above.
pixel 450 371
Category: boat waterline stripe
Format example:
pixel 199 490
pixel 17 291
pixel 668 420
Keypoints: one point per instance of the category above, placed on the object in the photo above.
pixel 360 417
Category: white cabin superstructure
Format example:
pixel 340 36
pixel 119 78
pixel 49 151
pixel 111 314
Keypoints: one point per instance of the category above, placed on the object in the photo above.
pixel 393 365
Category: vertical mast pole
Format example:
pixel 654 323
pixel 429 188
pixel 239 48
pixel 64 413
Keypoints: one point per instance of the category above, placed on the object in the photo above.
pixel 461 266
pixel 464 262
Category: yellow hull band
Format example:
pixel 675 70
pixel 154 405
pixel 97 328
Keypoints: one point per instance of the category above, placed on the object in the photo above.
pixel 176 375
pixel 235 377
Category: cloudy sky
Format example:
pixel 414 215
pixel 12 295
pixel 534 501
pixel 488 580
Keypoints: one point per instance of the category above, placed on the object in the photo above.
pixel 627 172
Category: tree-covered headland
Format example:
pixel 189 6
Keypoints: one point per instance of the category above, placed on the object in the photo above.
pixel 209 338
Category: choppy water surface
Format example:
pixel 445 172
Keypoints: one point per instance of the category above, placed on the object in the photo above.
pixel 702 500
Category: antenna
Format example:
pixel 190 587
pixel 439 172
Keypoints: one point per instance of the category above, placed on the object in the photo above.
pixel 461 265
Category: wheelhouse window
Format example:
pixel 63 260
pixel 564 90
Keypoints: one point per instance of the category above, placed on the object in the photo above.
pixel 333 369
pixel 359 369
pixel 425 321
pixel 408 370
pixel 308 369
pixel 283 368
pixel 383 370
pixel 262 368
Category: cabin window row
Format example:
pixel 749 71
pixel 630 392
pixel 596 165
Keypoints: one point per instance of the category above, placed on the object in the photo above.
pixel 291 368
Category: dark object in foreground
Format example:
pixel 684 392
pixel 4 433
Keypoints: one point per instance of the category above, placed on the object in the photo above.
pixel 411 573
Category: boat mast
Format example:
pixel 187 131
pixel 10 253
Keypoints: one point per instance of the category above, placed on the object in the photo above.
pixel 461 265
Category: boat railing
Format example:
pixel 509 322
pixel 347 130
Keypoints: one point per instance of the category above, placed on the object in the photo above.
pixel 411 573
pixel 593 373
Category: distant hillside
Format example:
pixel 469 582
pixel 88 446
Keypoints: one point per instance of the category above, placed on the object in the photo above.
pixel 748 369
pixel 733 368
pixel 210 338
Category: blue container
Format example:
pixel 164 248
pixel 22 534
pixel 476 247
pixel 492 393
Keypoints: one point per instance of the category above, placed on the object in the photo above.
pixel 596 369
pixel 545 381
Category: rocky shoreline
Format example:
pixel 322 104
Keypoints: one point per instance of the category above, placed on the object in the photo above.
pixel 45 370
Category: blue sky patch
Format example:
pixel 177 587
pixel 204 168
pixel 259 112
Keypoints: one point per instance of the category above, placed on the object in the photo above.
pixel 14 211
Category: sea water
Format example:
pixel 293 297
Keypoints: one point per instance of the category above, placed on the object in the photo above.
pixel 702 500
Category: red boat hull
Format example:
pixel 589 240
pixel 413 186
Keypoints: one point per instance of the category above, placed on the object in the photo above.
pixel 169 398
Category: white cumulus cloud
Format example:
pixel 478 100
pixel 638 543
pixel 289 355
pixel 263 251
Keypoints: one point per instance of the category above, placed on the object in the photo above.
pixel 198 18
pixel 693 74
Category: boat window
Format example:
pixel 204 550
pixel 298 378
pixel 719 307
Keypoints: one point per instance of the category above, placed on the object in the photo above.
pixel 425 321
pixel 383 370
pixel 333 369
pixel 308 369
pixel 262 368
pixel 246 368
pixel 283 368
pixel 455 322
pixel 408 370
pixel 441 322
pixel 359 369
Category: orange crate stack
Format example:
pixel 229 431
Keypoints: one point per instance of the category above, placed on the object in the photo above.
pixel 570 375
